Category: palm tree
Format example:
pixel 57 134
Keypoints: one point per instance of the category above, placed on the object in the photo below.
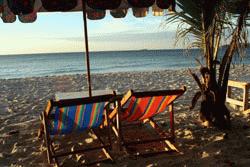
pixel 207 22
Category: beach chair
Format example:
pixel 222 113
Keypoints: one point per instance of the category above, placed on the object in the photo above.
pixel 66 118
pixel 137 108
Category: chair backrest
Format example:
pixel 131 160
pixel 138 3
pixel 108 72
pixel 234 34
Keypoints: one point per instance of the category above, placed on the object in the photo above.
pixel 143 105
pixel 77 114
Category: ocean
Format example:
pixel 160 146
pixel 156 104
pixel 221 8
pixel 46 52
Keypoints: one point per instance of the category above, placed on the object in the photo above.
pixel 37 65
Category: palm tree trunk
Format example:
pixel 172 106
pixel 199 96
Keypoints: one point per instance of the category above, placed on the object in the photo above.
pixel 215 111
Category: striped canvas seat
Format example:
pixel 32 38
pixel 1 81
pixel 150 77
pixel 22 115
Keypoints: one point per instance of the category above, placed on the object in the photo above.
pixel 146 107
pixel 76 118
pixel 66 115
pixel 139 108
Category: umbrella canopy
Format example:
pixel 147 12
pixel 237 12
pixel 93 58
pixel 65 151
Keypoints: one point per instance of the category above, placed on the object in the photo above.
pixel 26 11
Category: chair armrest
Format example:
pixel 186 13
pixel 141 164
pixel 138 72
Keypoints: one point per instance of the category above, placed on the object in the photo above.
pixel 48 108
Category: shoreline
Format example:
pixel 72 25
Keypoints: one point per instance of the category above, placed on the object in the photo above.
pixel 22 100
pixel 196 69
pixel 100 73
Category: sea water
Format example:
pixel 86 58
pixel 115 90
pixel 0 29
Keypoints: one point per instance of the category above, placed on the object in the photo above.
pixel 36 65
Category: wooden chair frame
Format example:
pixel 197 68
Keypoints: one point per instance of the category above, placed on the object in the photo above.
pixel 167 138
pixel 52 155
pixel 241 85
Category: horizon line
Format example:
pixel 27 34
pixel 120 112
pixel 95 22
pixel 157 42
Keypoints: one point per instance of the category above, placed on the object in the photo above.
pixel 95 51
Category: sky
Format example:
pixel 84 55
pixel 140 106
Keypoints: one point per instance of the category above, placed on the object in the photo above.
pixel 63 32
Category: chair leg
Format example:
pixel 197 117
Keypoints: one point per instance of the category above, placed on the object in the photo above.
pixel 171 112
pixel 109 135
pixel 107 154
pixel 167 142
pixel 47 140
pixel 119 130
pixel 55 158
pixel 107 122
pixel 41 129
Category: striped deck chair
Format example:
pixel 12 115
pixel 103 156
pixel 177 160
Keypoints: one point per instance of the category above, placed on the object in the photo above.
pixel 73 116
pixel 141 107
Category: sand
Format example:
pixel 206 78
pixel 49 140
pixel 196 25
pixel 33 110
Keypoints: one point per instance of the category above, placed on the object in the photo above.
pixel 22 100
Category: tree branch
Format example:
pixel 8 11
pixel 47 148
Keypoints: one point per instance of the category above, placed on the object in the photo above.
pixel 227 58
pixel 196 78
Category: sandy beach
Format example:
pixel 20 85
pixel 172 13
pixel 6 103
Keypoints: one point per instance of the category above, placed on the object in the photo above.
pixel 22 100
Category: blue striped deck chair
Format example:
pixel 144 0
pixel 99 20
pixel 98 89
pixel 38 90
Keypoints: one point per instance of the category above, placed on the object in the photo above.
pixel 141 107
pixel 73 116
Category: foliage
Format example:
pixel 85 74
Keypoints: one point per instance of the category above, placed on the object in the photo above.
pixel 206 24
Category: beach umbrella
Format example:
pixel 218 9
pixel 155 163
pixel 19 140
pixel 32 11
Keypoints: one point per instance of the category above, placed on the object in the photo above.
pixel 26 11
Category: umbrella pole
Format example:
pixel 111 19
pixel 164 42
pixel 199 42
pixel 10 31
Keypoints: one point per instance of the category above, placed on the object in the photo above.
pixel 86 46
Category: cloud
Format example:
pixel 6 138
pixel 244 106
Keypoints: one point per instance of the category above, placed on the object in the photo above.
pixel 124 37
pixel 64 33
pixel 130 41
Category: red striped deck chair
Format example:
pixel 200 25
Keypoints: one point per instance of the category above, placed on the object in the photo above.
pixel 65 118
pixel 141 107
